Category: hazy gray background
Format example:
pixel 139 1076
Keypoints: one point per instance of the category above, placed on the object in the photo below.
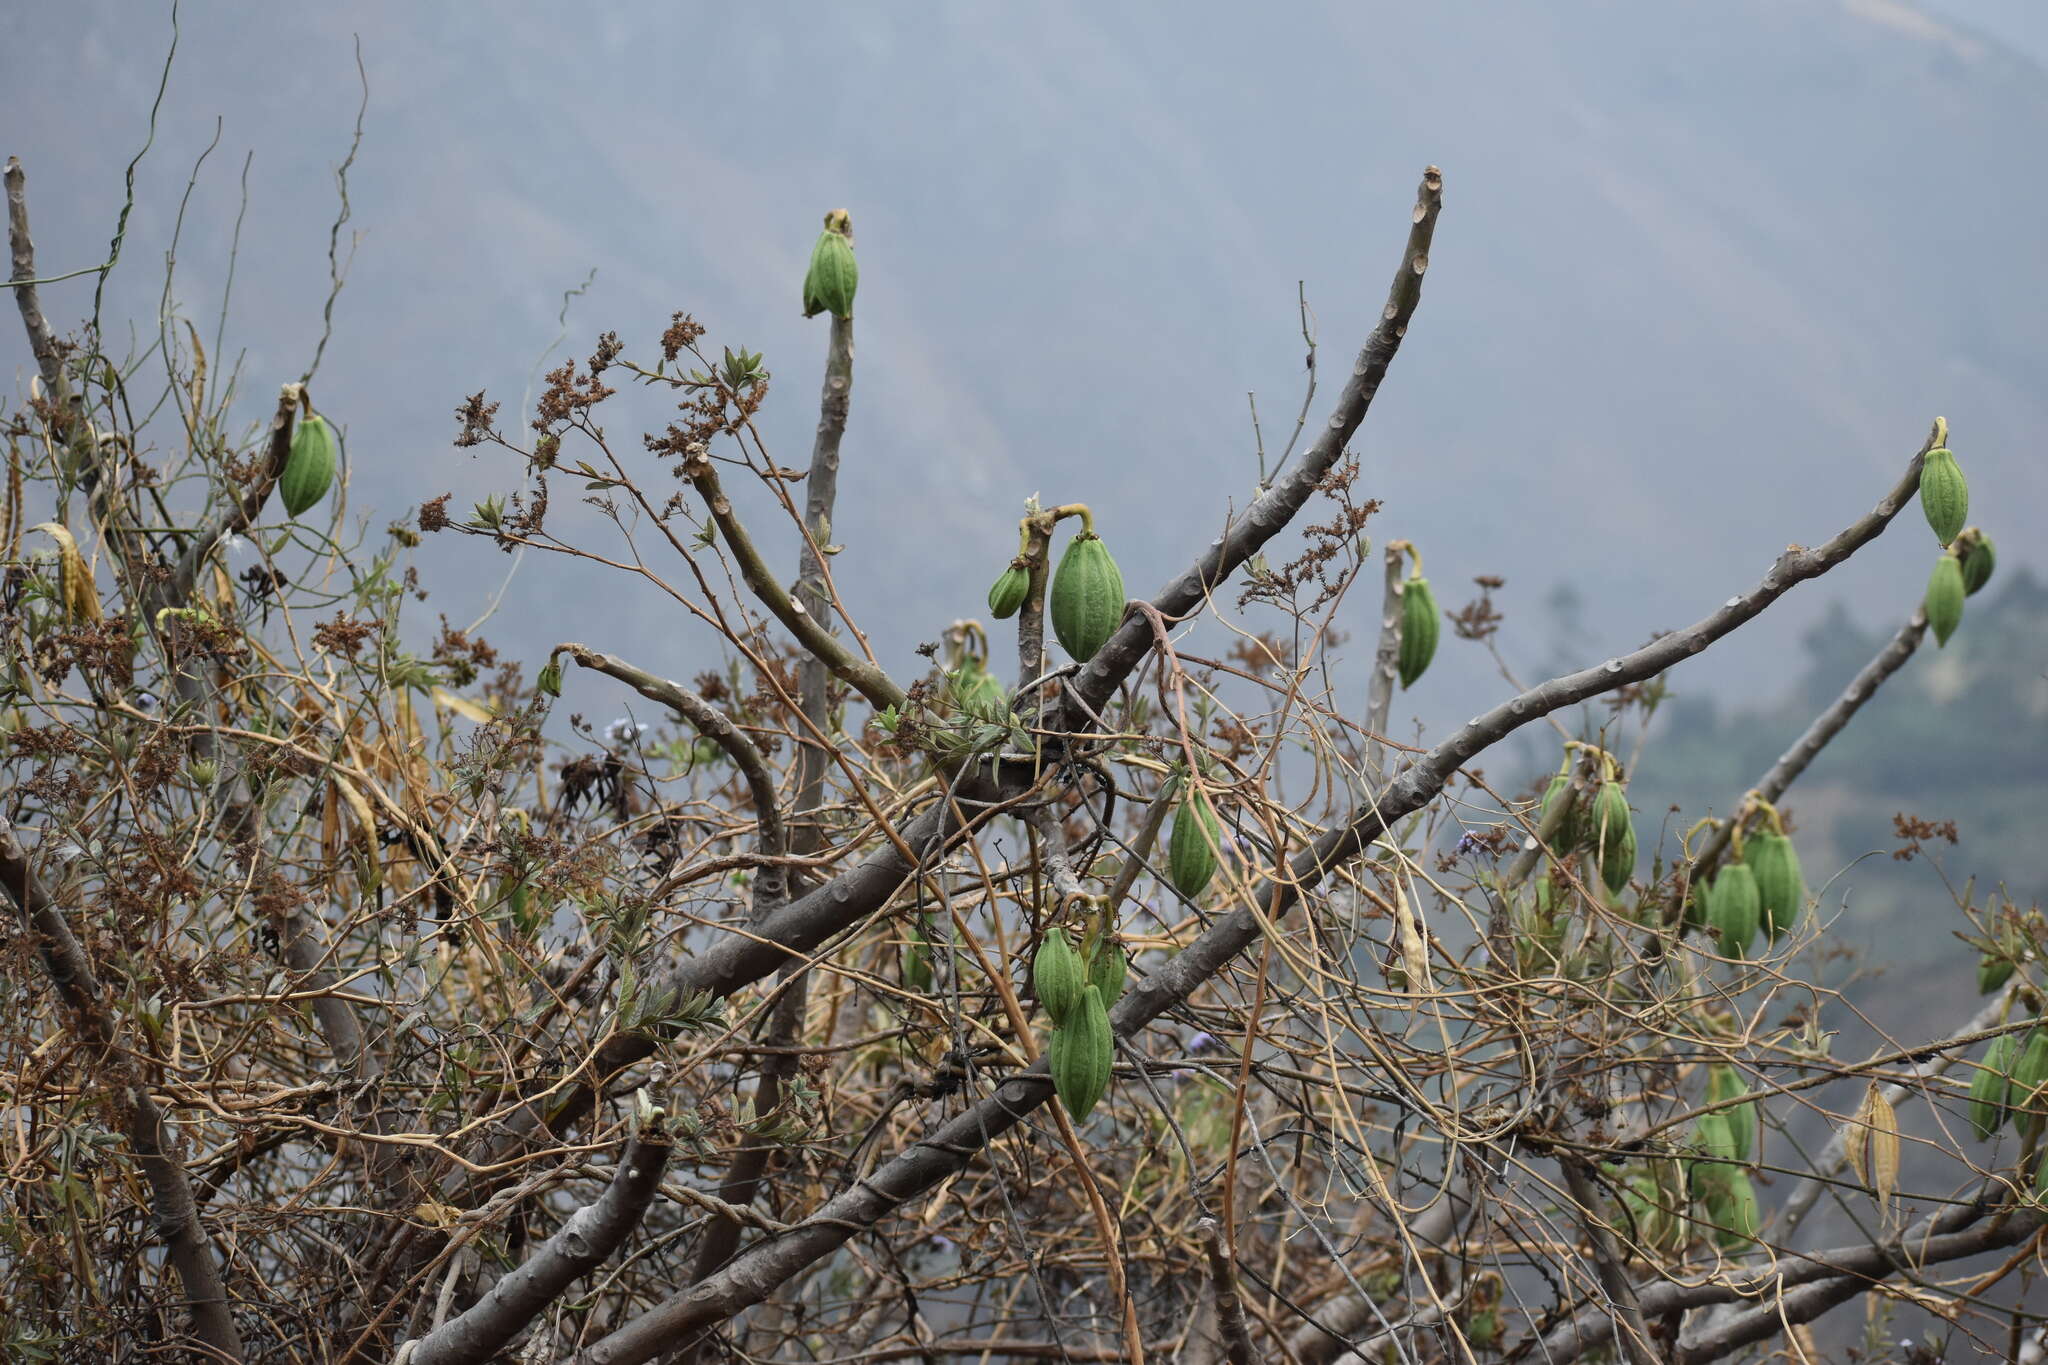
pixel 1704 274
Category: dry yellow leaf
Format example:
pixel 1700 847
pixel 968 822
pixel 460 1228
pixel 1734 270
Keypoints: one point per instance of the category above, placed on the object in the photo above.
pixel 1871 1143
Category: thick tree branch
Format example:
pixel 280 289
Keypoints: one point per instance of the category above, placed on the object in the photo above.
pixel 863 677
pixel 1826 1279
pixel 173 1209
pixel 42 343
pixel 582 1244
pixel 821 491
pixel 1379 696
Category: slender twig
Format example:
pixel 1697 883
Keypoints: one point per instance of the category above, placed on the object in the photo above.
pixel 337 269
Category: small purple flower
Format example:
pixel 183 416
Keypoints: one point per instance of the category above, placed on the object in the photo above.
pixel 1467 842
pixel 1201 1042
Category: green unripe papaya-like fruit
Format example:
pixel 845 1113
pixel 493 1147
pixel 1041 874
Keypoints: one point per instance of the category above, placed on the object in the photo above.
pixel 1993 972
pixel 309 466
pixel 1733 1209
pixel 1420 624
pixel 1978 558
pixel 1698 899
pixel 1613 835
pixel 1945 594
pixel 1006 597
pixel 1191 852
pixel 1107 969
pixel 1570 834
pixel 1086 602
pixel 1057 974
pixel 977 688
pixel 1716 1138
pixel 1988 1089
pixel 1944 494
pixel 1780 886
pixel 1080 1072
pixel 917 957
pixel 1656 1201
pixel 1724 1083
pixel 1734 910
pixel 830 282
pixel 2028 1097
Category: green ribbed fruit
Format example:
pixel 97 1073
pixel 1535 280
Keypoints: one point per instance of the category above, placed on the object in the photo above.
pixel 1989 1088
pixel 1571 826
pixel 1086 602
pixel 1613 835
pixel 1056 972
pixel 1697 900
pixel 1993 971
pixel 1191 852
pixel 1944 601
pixel 1734 910
pixel 1080 1069
pixel 1780 886
pixel 1006 597
pixel 308 466
pixel 1107 970
pixel 1732 1207
pixel 2028 1097
pixel 917 957
pixel 1944 494
pixel 1715 1137
pixel 1421 622
pixel 1725 1083
pixel 1979 557
pixel 833 276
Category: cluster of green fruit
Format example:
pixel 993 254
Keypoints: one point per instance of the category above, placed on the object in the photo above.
pixel 1659 1199
pixel 2011 1085
pixel 1086 602
pixel 1759 888
pixel 1967 556
pixel 1077 992
pixel 1599 823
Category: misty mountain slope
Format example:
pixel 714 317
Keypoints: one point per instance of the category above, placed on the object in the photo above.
pixel 1701 280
